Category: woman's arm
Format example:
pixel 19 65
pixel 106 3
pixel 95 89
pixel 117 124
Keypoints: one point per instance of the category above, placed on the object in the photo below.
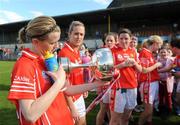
pixel 77 89
pixel 165 69
pixel 138 67
pixel 151 68
pixel 72 108
pixel 33 109
pixel 125 63
pixel 129 63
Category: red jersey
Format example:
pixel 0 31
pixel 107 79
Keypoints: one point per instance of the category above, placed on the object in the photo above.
pixel 177 62
pixel 29 81
pixel 128 78
pixel 76 75
pixel 146 59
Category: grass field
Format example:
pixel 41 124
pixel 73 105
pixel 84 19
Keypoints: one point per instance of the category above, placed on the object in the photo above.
pixel 7 110
pixel 8 114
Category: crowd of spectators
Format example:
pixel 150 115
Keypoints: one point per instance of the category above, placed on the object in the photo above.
pixel 10 53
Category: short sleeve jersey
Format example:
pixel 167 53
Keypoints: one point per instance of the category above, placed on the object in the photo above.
pixel 146 59
pixel 177 63
pixel 128 78
pixel 76 75
pixel 29 81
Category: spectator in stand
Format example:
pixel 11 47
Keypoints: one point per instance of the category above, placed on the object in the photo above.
pixel 110 41
pixel 149 79
pixel 37 100
pixel 16 50
pixel 1 53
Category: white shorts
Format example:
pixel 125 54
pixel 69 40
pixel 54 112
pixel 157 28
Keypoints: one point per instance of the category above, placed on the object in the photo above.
pixel 106 98
pixel 123 99
pixel 80 106
pixel 153 92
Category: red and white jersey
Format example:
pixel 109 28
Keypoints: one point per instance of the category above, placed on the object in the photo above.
pixel 177 61
pixel 128 78
pixel 146 59
pixel 29 81
pixel 76 75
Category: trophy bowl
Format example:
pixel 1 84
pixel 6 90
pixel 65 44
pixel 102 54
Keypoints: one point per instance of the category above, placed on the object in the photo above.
pixel 102 62
pixel 103 59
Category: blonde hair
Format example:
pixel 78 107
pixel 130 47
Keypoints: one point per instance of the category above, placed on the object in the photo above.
pixel 39 28
pixel 155 39
pixel 144 44
pixel 74 24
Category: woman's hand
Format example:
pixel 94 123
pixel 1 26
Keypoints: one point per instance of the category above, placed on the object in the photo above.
pixel 101 82
pixel 59 77
pixel 75 115
pixel 130 62
pixel 85 94
pixel 158 65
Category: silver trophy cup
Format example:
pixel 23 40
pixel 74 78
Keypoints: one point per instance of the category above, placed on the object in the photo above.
pixel 102 60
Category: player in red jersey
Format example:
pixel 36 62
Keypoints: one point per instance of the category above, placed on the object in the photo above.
pixel 175 46
pixel 123 97
pixel 149 78
pixel 71 50
pixel 38 101
pixel 110 41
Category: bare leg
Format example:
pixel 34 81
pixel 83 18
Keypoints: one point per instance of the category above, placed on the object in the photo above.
pixel 101 114
pixel 82 121
pixel 146 115
pixel 126 116
pixel 115 118
pixel 178 98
